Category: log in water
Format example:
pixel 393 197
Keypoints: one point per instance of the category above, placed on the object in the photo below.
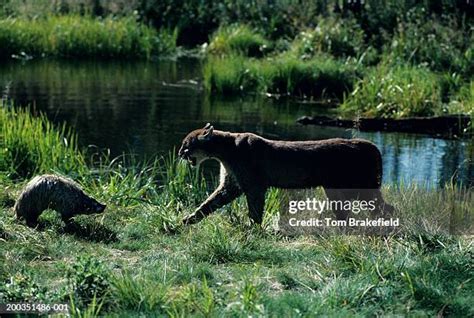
pixel 442 126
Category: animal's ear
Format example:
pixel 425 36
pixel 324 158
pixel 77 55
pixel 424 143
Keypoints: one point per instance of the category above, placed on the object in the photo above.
pixel 208 130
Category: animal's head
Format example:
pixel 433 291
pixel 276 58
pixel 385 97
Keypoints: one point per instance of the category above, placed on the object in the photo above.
pixel 194 145
pixel 91 206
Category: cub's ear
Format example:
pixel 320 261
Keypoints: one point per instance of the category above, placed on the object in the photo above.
pixel 208 125
pixel 207 133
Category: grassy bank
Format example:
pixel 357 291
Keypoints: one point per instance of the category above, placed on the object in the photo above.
pixel 285 75
pixel 388 89
pixel 137 259
pixel 82 37
pixel 355 53
pixel 420 65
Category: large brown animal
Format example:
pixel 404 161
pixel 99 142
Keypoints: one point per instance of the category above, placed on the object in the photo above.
pixel 57 193
pixel 251 164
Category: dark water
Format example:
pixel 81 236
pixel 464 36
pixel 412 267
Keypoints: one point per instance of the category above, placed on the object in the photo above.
pixel 148 107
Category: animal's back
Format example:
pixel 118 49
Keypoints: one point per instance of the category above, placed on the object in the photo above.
pixel 39 193
pixel 350 163
pixel 34 197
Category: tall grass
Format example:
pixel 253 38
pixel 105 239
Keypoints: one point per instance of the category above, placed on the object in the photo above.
pixel 283 75
pixel 81 36
pixel 463 101
pixel 32 145
pixel 399 91
pixel 238 39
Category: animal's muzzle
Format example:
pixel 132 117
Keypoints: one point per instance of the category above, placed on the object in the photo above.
pixel 184 154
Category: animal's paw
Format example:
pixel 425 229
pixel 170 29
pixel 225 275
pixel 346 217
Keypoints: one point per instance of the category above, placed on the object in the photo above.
pixel 193 218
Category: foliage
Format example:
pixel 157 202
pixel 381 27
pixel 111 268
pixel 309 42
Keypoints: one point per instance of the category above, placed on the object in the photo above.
pixel 440 44
pixel 88 279
pixel 21 287
pixel 334 35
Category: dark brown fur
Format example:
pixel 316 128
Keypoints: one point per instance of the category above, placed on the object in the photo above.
pixel 57 193
pixel 250 164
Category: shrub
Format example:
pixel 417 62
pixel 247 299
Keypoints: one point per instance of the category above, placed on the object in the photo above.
pixel 420 40
pixel 333 35
pixel 21 287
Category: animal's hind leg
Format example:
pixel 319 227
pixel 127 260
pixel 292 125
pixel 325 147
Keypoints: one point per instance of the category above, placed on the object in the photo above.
pixel 337 195
pixel 382 207
pixel 367 195
pixel 31 219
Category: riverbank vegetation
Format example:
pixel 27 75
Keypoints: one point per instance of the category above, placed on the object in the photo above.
pixel 316 50
pixel 82 37
pixel 137 258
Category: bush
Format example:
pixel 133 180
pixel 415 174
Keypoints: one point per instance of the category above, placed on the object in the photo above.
pixel 400 91
pixel 20 288
pixel 333 35
pixel 420 40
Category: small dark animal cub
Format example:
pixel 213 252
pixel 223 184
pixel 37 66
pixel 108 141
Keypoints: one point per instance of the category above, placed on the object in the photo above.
pixel 346 169
pixel 57 193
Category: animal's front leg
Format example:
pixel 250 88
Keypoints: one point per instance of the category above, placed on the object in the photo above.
pixel 216 200
pixel 256 204
pixel 226 192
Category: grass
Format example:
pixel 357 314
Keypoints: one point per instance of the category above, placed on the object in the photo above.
pixel 23 155
pixel 238 39
pixel 396 92
pixel 463 102
pixel 280 75
pixel 138 260
pixel 82 37
pixel 335 60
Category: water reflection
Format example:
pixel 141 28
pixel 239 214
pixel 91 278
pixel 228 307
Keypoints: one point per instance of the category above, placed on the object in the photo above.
pixel 148 108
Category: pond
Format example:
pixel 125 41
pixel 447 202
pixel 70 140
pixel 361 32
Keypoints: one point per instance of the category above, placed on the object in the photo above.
pixel 148 107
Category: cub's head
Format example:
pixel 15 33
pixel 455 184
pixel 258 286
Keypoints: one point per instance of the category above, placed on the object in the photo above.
pixel 193 148
pixel 90 205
